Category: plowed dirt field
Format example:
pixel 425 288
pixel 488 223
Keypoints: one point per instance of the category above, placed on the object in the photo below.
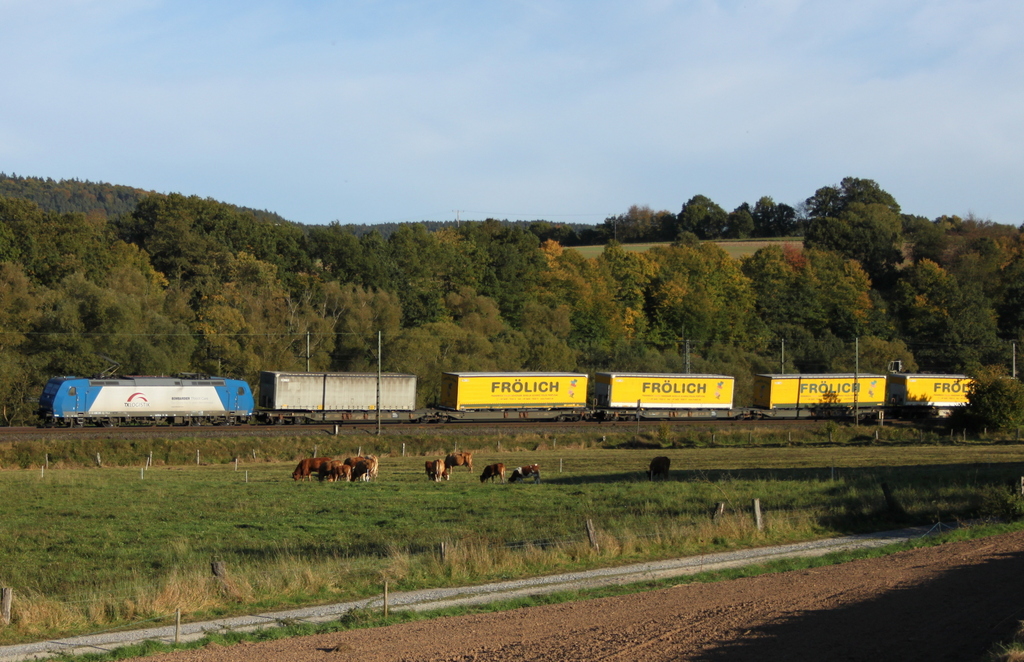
pixel 950 602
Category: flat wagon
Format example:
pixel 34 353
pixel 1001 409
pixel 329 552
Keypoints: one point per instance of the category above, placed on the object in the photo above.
pixel 927 395
pixel 819 392
pixel 126 400
pixel 661 396
pixel 513 395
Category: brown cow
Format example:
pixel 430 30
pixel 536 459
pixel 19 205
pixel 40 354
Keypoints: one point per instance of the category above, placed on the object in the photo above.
pixel 307 467
pixel 436 470
pixel 659 467
pixel 365 468
pixel 338 471
pixel 493 471
pixel 459 460
pixel 522 473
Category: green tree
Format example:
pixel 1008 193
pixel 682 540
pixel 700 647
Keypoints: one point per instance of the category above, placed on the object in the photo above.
pixel 20 379
pixel 868 233
pixel 832 201
pixel 740 224
pixel 951 325
pixel 700 293
pixel 772 219
pixel 703 217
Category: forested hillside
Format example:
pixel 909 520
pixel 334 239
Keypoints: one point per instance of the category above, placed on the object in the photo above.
pixel 174 284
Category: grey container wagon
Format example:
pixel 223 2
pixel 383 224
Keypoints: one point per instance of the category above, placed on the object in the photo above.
pixel 311 397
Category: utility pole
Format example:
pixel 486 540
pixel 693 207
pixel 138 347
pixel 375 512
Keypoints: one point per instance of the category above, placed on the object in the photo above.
pixel 687 357
pixel 378 383
pixel 856 379
pixel 783 362
pixel 307 351
pixel 457 212
pixel 1014 367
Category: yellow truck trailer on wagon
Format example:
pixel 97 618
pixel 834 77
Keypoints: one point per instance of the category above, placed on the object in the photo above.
pixel 470 391
pixel 918 390
pixel 800 391
pixel 663 391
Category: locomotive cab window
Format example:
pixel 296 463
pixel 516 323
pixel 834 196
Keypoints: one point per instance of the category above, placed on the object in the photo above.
pixel 73 390
pixel 241 391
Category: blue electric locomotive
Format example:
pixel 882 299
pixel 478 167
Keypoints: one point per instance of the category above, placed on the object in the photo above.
pixel 131 400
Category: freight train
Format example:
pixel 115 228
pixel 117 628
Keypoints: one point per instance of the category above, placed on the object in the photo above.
pixel 324 397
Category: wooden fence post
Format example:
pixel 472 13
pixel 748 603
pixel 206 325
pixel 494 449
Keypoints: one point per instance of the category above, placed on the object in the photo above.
pixel 6 597
pixel 592 536
pixel 443 548
pixel 757 515
pixel 385 598
pixel 177 626
pixel 99 462
pixel 719 511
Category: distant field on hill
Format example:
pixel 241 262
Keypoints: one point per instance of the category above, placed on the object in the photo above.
pixel 736 248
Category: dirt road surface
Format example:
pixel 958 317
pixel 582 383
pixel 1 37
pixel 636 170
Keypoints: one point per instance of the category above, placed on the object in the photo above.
pixel 951 602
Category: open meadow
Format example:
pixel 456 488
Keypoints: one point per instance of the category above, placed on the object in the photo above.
pixel 736 248
pixel 86 548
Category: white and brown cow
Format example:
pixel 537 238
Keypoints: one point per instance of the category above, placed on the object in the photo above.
pixel 522 473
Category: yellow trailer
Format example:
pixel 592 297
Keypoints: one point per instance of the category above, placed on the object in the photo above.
pixel 664 391
pixel 799 391
pixel 466 391
pixel 915 390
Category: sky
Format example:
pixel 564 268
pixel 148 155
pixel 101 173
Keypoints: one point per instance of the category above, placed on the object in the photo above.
pixel 373 111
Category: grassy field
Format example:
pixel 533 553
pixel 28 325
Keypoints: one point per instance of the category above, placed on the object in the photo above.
pixel 85 548
pixel 736 248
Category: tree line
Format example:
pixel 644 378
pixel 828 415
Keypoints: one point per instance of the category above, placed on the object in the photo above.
pixel 185 284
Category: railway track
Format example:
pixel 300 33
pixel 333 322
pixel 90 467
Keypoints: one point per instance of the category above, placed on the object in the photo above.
pixel 392 429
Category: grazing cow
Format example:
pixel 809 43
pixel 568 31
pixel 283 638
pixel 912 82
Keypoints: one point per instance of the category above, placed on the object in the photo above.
pixel 337 471
pixel 436 470
pixel 522 473
pixel 459 460
pixel 307 467
pixel 365 468
pixel 493 471
pixel 659 467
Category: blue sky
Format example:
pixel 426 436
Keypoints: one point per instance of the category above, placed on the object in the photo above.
pixel 380 111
